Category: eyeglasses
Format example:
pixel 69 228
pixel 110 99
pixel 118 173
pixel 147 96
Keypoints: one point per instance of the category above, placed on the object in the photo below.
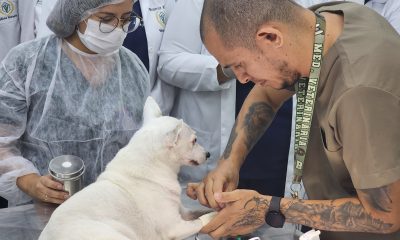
pixel 129 24
pixel 228 72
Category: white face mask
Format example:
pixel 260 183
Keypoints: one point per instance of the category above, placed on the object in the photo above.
pixel 100 42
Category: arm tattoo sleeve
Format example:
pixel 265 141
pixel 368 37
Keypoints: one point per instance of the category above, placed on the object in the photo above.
pixel 256 121
pixel 334 215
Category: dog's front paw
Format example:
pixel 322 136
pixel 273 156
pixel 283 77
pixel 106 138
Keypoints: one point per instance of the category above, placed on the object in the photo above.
pixel 184 229
pixel 206 218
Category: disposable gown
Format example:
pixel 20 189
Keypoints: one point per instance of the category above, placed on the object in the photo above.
pixel 55 100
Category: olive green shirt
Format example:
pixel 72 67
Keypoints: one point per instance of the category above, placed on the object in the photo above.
pixel 355 133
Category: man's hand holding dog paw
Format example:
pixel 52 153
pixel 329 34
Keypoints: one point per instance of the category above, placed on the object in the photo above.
pixel 223 178
pixel 243 213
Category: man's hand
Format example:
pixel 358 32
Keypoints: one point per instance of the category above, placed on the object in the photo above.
pixel 223 178
pixel 43 188
pixel 243 213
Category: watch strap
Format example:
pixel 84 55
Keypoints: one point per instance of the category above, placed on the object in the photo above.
pixel 275 204
pixel 274 217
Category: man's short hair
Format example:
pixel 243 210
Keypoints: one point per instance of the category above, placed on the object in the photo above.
pixel 237 21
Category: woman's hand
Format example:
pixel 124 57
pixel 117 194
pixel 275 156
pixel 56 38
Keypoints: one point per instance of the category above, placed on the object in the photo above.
pixel 43 188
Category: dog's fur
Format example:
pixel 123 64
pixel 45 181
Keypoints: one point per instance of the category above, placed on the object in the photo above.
pixel 138 195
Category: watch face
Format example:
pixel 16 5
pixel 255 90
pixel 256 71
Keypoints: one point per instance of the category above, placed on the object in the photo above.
pixel 275 219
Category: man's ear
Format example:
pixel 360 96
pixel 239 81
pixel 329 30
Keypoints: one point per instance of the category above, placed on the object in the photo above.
pixel 175 134
pixel 151 110
pixel 269 35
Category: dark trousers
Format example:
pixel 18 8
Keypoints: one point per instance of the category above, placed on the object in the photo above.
pixel 3 203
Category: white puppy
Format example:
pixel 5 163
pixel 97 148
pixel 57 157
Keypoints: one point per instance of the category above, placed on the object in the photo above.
pixel 137 197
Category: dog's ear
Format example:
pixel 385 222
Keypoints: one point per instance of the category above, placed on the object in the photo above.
pixel 174 135
pixel 151 110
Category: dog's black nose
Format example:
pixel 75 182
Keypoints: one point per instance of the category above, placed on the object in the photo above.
pixel 208 154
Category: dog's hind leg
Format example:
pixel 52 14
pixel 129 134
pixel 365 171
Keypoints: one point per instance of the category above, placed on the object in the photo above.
pixel 184 229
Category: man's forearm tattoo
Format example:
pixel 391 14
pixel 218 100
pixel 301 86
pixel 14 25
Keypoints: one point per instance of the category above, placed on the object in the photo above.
pixel 254 214
pixel 378 198
pixel 256 122
pixel 257 119
pixel 332 216
pixel 232 138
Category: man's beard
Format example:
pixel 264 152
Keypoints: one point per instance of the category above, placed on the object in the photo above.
pixel 289 76
pixel 291 86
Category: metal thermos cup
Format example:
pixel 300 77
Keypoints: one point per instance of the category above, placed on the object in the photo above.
pixel 69 170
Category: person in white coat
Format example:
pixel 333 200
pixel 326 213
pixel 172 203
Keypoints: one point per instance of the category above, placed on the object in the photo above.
pixel 145 41
pixel 43 9
pixel 203 98
pixel 16 23
pixel 389 9
pixel 16 26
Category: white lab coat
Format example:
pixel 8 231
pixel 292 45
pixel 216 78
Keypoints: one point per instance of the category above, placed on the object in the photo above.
pixel 389 9
pixel 204 104
pixel 16 23
pixel 154 18
pixel 43 9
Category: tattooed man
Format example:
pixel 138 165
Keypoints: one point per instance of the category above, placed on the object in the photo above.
pixel 342 61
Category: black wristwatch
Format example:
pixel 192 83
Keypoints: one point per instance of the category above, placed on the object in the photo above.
pixel 274 217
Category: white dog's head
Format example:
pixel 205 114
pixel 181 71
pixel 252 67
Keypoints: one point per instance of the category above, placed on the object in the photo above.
pixel 168 138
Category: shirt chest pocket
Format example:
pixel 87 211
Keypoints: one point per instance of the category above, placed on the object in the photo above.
pixel 334 153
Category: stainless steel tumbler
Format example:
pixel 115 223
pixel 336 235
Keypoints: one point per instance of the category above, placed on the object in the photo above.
pixel 69 170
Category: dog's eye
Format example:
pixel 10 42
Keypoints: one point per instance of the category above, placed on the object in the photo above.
pixel 194 141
